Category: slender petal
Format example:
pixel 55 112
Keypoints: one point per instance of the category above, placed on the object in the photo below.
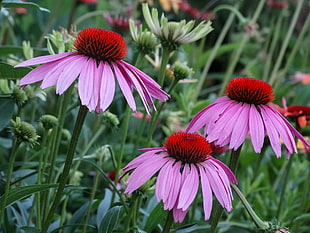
pixel 228 172
pixel 257 129
pixel 45 59
pixel 71 70
pixel 144 172
pixel 125 87
pixel 179 214
pixel 206 192
pixel 107 88
pixel 85 84
pixel 189 189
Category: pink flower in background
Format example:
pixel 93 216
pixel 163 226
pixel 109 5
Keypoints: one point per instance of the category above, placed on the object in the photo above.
pixel 182 163
pixel 245 110
pixel 280 4
pixel 304 78
pixel 97 62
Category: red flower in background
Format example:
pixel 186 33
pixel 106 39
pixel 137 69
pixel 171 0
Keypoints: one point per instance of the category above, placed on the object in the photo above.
pixel 277 4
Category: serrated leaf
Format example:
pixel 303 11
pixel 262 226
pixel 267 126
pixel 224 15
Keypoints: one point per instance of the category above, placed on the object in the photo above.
pixel 110 220
pixel 10 106
pixel 18 193
pixel 9 72
pixel 157 216
pixel 18 3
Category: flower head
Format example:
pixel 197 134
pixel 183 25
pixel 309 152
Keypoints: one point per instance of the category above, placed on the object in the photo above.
pixel 183 162
pixel 172 34
pixel 244 110
pixel 97 61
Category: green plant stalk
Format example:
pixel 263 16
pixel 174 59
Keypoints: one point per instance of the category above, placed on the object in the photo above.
pixel 87 16
pixel 283 190
pixel 288 35
pixel 66 170
pixel 63 102
pixel 292 54
pixel 217 45
pixel 233 164
pixel 168 223
pixel 9 172
pixel 124 133
pixel 274 43
pixel 41 167
pixel 237 54
pixel 163 65
pixel 92 196
pixel 258 222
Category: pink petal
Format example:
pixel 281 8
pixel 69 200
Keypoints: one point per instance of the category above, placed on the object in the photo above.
pixel 72 67
pixel 226 169
pixel 86 83
pixel 179 214
pixel 206 192
pixel 168 184
pixel 140 159
pixel 144 172
pixel 125 87
pixel 241 128
pixel 45 59
pixel 257 129
pixel 107 87
pixel 272 132
pixel 36 74
pixel 189 189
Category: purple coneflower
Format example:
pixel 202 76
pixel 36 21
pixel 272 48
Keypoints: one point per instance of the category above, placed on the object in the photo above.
pixel 97 61
pixel 183 161
pixel 244 110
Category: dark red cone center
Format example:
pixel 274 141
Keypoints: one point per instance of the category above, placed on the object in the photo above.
pixel 102 45
pixel 187 147
pixel 249 90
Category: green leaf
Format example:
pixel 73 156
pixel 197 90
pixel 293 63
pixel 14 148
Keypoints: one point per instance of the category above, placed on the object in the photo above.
pixel 30 229
pixel 157 216
pixel 8 104
pixel 75 220
pixel 18 193
pixel 110 220
pixel 18 3
pixel 9 72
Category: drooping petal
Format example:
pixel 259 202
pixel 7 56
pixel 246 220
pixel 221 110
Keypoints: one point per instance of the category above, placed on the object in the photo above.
pixel 257 129
pixel 45 59
pixel 71 70
pixel 241 127
pixel 228 172
pixel 189 189
pixel 140 159
pixel 219 184
pixel 168 184
pixel 86 84
pixel 36 74
pixel 272 132
pixel 107 88
pixel 125 87
pixel 179 214
pixel 144 172
pixel 206 192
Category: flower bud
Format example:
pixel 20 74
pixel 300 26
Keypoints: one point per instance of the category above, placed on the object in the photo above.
pixel 48 121
pixel 24 132
pixel 20 96
pixel 110 119
pixel 181 71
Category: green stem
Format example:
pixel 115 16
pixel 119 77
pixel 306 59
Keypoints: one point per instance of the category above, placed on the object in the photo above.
pixel 40 177
pixel 237 54
pixel 163 65
pixel 292 54
pixel 288 35
pixel 88 15
pixel 63 102
pixel 234 158
pixel 66 170
pixel 258 222
pixel 168 223
pixel 285 181
pixel 9 172
pixel 217 45
pixel 92 196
